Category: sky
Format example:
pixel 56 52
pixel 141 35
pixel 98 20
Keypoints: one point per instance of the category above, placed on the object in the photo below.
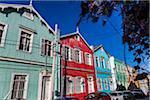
pixel 66 14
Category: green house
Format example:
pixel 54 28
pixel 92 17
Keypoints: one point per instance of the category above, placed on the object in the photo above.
pixel 121 76
pixel 29 56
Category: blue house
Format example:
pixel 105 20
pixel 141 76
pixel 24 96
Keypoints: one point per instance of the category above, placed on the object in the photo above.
pixel 103 70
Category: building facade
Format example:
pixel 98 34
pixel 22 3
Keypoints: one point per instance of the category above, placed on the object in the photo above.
pixel 113 72
pixel 121 73
pixel 78 66
pixel 26 54
pixel 103 70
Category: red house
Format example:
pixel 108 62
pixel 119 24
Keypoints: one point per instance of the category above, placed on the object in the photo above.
pixel 78 66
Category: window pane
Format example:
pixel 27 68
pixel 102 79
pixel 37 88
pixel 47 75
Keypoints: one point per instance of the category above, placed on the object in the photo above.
pixel 25 40
pixel 18 86
pixel 46 47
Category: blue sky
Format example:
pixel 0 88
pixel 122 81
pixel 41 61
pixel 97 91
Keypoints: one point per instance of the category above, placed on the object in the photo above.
pixel 66 15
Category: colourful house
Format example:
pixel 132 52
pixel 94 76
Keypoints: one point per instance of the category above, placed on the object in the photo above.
pixel 27 44
pixel 121 73
pixel 77 66
pixel 103 71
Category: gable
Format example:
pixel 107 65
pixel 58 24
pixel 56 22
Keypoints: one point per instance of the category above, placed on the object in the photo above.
pixel 72 35
pixel 20 9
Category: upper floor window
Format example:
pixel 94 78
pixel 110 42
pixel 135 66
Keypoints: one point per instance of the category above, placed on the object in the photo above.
pixel 97 62
pixel 3 29
pixel 19 88
pixel 88 59
pixel 28 15
pixel 77 38
pixel 26 38
pixel 103 62
pixel 67 53
pixel 77 54
pixel 108 64
pixel 46 47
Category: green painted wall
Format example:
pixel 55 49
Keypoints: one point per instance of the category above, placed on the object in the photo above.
pixel 7 68
pixel 120 73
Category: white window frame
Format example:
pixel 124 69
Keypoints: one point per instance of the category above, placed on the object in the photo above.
pixel 80 57
pixel 71 88
pixel 81 89
pixel 103 62
pixel 3 34
pixel 26 84
pixel 77 38
pixel 90 58
pixel 51 52
pixel 97 61
pixel 41 74
pixel 100 84
pixel 105 85
pixel 90 83
pixel 29 17
pixel 69 55
pixel 31 41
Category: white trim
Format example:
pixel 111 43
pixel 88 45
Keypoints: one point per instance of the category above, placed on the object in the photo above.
pixel 18 6
pixel 41 74
pixel 39 86
pixel 90 59
pixel 75 33
pixel 31 41
pixel 79 55
pixel 28 17
pixel 26 84
pixel 3 34
pixel 98 61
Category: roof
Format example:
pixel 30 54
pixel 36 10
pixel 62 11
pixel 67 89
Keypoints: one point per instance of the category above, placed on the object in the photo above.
pixel 30 7
pixel 76 33
pixel 101 46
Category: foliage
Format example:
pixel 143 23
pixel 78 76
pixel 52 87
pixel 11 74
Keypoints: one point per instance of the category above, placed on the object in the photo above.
pixel 135 22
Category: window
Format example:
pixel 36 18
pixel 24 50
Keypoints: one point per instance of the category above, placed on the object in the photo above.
pixel 90 84
pixel 102 62
pixel 25 43
pixel 77 38
pixel 77 54
pixel 105 84
pixel 80 85
pixel 88 59
pixel 69 85
pixel 28 15
pixel 107 64
pixel 99 81
pixel 46 47
pixel 45 86
pixel 3 29
pixel 66 53
pixel 19 87
pixel 97 62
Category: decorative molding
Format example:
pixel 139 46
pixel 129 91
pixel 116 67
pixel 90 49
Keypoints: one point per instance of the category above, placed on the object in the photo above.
pixel 23 61
pixel 80 69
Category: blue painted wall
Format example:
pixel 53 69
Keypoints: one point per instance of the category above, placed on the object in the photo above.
pixel 102 73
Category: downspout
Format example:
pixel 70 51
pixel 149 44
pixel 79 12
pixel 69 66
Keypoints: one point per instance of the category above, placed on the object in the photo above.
pixel 52 94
